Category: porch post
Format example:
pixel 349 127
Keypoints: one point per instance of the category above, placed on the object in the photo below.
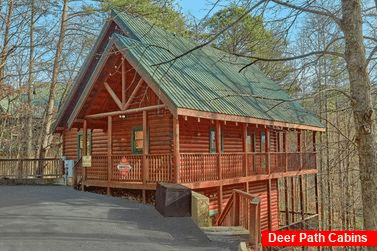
pixel 144 169
pixel 269 197
pixel 315 176
pixel 84 152
pixel 109 152
pixel 245 157
pixel 268 156
pixel 218 152
pixel 299 148
pixel 85 139
pixel 176 154
pixel 300 177
pixel 285 149
pixel 218 148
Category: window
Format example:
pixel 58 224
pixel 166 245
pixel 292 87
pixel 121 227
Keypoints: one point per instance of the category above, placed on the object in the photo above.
pixel 80 143
pixel 250 142
pixel 89 142
pixel 212 140
pixel 137 140
pixel 222 140
pixel 262 141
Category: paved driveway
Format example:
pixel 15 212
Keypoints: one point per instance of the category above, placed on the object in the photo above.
pixel 51 218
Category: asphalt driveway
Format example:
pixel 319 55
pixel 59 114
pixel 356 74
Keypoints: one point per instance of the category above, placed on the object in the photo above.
pixel 48 218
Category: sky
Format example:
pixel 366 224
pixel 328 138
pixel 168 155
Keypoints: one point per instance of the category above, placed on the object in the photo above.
pixel 198 8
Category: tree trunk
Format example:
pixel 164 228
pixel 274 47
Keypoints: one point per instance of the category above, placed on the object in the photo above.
pixel 29 125
pixel 360 89
pixel 4 51
pixel 49 114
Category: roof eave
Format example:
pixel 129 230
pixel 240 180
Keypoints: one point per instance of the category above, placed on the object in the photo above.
pixel 101 63
pixel 243 119
pixel 78 79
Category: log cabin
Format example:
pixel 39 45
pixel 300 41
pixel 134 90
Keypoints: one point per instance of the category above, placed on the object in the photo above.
pixel 197 119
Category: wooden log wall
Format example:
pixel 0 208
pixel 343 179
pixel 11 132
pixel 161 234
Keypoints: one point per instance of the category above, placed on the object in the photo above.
pixel 194 136
pixel 258 188
pixel 99 143
pixel 160 135
pixel 159 128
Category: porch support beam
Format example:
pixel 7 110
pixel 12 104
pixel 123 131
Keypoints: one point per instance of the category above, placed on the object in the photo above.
pixel 144 169
pixel 106 114
pixel 285 150
pixel 316 176
pixel 85 150
pixel 128 103
pixel 218 151
pixel 113 95
pixel 85 138
pixel 269 197
pixel 218 148
pixel 286 201
pixel 220 199
pixel 176 154
pixel 109 151
pixel 244 146
pixel 123 81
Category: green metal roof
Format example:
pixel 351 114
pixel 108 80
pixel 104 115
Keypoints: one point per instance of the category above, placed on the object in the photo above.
pixel 207 79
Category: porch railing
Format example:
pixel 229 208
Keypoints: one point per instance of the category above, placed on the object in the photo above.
pixel 151 168
pixel 243 209
pixel 158 168
pixel 207 167
pixel 31 168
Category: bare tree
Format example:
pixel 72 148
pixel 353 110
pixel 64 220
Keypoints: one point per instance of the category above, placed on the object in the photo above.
pixel 49 114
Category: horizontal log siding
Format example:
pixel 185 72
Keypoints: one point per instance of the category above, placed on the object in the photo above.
pixel 159 127
pixel 99 142
pixel 258 188
pixel 194 135
pixel 232 137
pixel 160 124
pixel 70 144
pixel 122 132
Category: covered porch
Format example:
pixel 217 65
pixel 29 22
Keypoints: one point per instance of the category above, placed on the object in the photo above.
pixel 195 170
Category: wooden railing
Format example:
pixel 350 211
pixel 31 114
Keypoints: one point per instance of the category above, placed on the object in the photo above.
pixel 198 167
pixel 31 168
pixel 158 168
pixel 243 209
pixel 207 167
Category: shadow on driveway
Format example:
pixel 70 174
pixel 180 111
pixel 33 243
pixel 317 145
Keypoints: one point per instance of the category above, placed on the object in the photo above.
pixel 60 218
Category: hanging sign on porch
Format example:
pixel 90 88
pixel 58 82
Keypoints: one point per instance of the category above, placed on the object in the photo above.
pixel 124 167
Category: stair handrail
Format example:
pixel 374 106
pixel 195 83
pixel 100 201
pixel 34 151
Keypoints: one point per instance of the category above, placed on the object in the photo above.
pixel 254 215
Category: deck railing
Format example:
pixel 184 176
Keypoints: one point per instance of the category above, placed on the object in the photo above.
pixel 31 168
pixel 207 167
pixel 198 167
pixel 243 209
pixel 158 168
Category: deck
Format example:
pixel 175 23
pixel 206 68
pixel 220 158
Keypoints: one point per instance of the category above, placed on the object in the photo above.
pixel 195 170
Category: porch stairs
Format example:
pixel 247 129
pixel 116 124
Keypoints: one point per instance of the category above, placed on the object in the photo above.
pixel 239 221
pixel 227 234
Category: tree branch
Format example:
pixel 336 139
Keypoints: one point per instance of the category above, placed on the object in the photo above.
pixel 256 59
pixel 303 9
pixel 212 39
